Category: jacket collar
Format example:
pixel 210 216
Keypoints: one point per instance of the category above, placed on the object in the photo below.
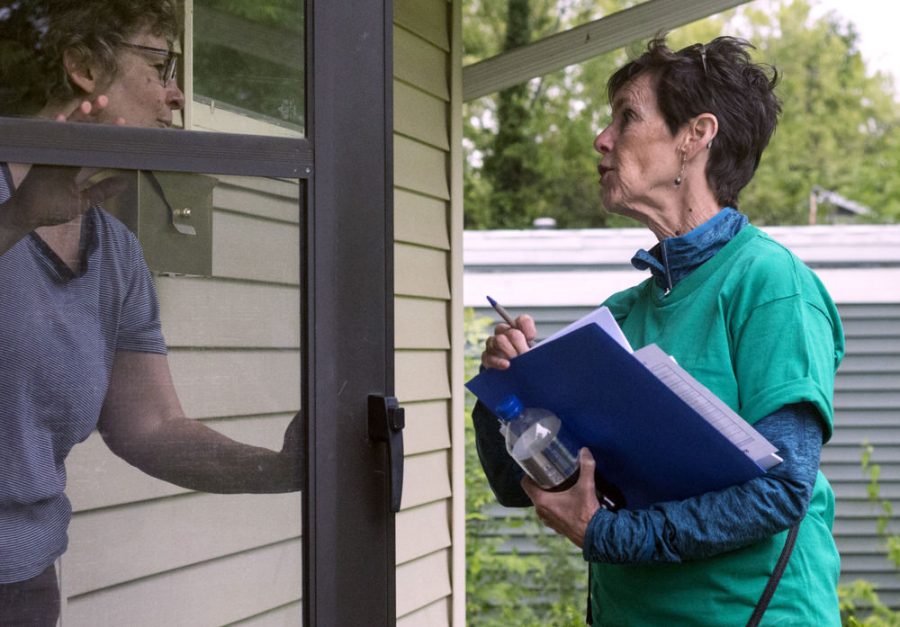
pixel 674 258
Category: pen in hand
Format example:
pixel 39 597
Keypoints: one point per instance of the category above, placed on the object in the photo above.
pixel 502 311
pixel 507 318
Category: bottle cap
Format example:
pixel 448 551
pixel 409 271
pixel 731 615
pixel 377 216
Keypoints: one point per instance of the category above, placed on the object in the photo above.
pixel 509 408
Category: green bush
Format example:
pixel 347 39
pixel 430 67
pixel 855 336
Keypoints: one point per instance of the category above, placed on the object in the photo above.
pixel 860 605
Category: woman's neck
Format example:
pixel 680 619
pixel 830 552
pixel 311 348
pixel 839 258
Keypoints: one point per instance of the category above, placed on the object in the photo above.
pixel 686 211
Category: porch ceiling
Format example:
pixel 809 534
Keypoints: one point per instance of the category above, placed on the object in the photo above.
pixel 584 42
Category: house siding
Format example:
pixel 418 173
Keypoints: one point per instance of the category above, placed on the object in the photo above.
pixel 424 298
pixel 146 552
pixel 867 409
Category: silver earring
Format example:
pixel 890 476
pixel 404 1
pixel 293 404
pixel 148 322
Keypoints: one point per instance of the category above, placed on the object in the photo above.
pixel 680 176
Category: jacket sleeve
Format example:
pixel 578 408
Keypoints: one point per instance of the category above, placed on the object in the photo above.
pixel 726 520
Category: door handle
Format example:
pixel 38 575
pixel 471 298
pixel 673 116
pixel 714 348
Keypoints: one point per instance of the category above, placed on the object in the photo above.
pixel 386 422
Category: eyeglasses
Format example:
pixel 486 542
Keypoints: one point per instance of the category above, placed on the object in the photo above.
pixel 168 70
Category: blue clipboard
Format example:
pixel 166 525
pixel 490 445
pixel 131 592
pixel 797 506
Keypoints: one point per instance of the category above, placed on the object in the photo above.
pixel 647 441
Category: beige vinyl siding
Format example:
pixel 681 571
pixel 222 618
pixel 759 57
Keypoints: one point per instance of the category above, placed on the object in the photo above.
pixel 206 593
pixel 420 219
pixel 434 614
pixel 423 308
pixel 146 552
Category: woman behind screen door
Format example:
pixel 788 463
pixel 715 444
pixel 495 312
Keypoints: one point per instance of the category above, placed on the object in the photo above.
pixel 80 339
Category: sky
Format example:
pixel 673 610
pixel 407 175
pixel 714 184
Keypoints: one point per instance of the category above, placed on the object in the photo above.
pixel 877 22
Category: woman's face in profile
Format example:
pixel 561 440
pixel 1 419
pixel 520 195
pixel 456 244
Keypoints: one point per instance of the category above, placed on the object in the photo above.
pixel 640 157
pixel 137 95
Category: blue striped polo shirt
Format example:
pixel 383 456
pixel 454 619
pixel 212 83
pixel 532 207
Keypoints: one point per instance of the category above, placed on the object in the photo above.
pixel 59 332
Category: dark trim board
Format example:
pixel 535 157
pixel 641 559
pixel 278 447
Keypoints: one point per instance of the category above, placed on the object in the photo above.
pixel 349 560
pixel 45 141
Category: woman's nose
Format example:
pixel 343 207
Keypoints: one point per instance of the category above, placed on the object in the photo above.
pixel 174 95
pixel 603 141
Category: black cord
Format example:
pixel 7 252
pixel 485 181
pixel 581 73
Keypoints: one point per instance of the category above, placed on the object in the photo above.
pixel 775 578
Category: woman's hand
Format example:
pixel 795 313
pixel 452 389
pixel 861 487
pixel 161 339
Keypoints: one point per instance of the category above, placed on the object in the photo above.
pixel 50 195
pixel 88 111
pixel 508 342
pixel 293 452
pixel 568 512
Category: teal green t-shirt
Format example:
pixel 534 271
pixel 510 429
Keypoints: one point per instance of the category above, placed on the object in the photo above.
pixel 755 326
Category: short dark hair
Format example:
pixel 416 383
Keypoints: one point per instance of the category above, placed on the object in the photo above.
pixel 35 34
pixel 718 78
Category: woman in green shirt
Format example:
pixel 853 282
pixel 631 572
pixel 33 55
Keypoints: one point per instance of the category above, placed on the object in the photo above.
pixel 738 311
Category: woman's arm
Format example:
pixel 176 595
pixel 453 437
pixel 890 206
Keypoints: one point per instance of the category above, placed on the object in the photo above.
pixel 729 519
pixel 143 423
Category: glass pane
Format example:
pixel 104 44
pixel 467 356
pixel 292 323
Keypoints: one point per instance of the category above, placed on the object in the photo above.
pixel 85 366
pixel 248 66
pixel 57 56
pixel 242 67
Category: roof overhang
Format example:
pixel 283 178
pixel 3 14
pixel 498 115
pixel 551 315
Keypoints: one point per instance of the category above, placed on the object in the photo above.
pixel 584 42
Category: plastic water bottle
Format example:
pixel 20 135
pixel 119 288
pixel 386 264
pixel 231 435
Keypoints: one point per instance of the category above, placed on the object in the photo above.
pixel 535 438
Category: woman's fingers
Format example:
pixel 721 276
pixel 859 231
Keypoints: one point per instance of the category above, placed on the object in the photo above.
pixel 86 111
pixel 83 109
pixel 525 324
pixel 508 342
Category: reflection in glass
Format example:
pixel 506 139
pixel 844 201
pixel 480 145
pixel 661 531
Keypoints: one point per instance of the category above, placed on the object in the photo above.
pixel 248 58
pixel 90 61
pixel 84 345
pixel 160 343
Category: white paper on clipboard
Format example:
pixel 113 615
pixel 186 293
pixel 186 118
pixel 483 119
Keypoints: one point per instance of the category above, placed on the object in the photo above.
pixel 603 318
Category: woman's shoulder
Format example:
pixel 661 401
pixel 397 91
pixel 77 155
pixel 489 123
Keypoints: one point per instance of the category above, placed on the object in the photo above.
pixel 765 269
pixel 764 257
pixel 113 229
pixel 768 249
pixel 117 243
pixel 621 303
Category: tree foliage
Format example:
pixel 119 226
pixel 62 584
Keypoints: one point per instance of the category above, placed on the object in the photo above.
pixel 512 162
pixel 836 122
pixel 255 74
pixel 838 129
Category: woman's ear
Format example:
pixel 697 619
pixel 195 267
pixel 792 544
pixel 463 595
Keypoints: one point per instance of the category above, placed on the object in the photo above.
pixel 702 131
pixel 82 72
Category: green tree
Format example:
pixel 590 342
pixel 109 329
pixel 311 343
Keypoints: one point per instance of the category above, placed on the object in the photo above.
pixel 511 164
pixel 555 120
pixel 838 129
pixel 261 73
pixel 836 120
